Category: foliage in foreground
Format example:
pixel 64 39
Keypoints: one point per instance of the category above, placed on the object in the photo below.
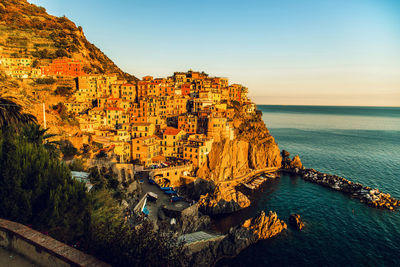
pixel 36 189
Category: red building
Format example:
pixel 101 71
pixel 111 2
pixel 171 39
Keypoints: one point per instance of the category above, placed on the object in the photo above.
pixel 185 88
pixel 64 67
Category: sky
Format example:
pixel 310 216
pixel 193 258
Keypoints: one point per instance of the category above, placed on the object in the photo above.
pixel 288 52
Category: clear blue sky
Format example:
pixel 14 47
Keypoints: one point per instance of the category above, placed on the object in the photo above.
pixel 338 52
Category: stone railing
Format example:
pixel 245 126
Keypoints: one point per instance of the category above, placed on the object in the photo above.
pixel 42 249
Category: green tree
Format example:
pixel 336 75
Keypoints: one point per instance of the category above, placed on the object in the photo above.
pixel 11 113
pixel 37 189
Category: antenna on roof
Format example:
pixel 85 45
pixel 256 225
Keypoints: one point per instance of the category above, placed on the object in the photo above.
pixel 44 116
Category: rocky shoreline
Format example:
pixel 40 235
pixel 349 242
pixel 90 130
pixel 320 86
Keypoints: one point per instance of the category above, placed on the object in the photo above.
pixel 371 197
pixel 208 252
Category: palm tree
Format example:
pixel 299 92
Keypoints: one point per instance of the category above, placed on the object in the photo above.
pixel 11 113
pixel 37 135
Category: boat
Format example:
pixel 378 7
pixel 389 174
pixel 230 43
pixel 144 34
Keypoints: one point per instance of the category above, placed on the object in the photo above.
pixel 152 196
pixel 166 188
pixel 170 192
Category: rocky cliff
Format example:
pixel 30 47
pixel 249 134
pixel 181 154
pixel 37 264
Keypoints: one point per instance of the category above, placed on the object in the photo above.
pixel 253 148
pixel 207 252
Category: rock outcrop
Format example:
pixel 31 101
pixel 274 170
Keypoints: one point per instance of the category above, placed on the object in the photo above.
pixel 296 163
pixel 224 199
pixel 295 221
pixel 264 227
pixel 253 148
pixel 191 220
pixel 208 252
pixel 288 163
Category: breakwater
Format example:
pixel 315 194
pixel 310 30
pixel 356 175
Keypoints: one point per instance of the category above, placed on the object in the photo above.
pixel 366 194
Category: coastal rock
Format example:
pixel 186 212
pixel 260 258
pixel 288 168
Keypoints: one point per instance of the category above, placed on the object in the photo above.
pixel 192 220
pixel 295 221
pixel 224 199
pixel 291 164
pixel 264 227
pixel 252 148
pixel 197 188
pixel 208 252
pixel 296 163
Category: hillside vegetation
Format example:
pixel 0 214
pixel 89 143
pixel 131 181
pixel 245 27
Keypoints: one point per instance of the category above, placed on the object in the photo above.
pixel 26 30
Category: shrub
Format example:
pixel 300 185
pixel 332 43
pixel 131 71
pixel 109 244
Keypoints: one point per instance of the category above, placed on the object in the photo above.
pixel 48 80
pixel 68 149
pixel 61 52
pixel 63 91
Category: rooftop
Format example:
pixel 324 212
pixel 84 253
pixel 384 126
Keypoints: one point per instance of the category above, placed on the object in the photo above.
pixel 172 131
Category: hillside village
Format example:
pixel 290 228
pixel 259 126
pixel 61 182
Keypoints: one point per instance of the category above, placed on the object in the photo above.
pixel 160 123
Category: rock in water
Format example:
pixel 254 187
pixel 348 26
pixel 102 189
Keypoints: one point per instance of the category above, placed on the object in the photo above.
pixel 295 221
pixel 296 163
pixel 264 227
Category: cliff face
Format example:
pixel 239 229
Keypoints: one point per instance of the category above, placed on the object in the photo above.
pixel 253 148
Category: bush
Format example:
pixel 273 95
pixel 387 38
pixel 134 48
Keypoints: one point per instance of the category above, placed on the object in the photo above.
pixel 68 149
pixel 63 91
pixel 48 80
pixel 61 52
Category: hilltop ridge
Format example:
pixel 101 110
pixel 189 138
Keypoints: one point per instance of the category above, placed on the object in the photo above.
pixel 27 30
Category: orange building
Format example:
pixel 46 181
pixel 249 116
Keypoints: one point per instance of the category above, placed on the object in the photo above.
pixel 185 88
pixel 64 67
pixel 145 149
pixel 188 123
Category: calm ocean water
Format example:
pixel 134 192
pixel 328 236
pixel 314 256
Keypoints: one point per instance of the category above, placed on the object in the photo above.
pixel 359 143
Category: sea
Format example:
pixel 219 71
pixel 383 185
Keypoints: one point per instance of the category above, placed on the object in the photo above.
pixel 361 144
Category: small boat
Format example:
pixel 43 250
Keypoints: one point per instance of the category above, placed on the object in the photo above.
pixel 145 211
pixel 152 196
pixel 166 188
pixel 170 192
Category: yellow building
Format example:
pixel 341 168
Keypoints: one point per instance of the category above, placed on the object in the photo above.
pixel 145 149
pixel 22 62
pixel 197 148
pixel 77 107
pixel 122 151
pixel 142 129
pixel 218 128
pixel 172 142
pixel 128 92
pixel 114 116
pixel 188 123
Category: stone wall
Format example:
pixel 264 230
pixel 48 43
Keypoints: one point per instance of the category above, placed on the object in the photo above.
pixel 41 249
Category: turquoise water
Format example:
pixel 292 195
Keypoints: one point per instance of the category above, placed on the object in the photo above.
pixel 359 143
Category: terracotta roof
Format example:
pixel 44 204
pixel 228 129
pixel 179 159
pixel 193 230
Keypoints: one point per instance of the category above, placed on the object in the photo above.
pixel 128 84
pixel 141 124
pixel 114 108
pixel 171 131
